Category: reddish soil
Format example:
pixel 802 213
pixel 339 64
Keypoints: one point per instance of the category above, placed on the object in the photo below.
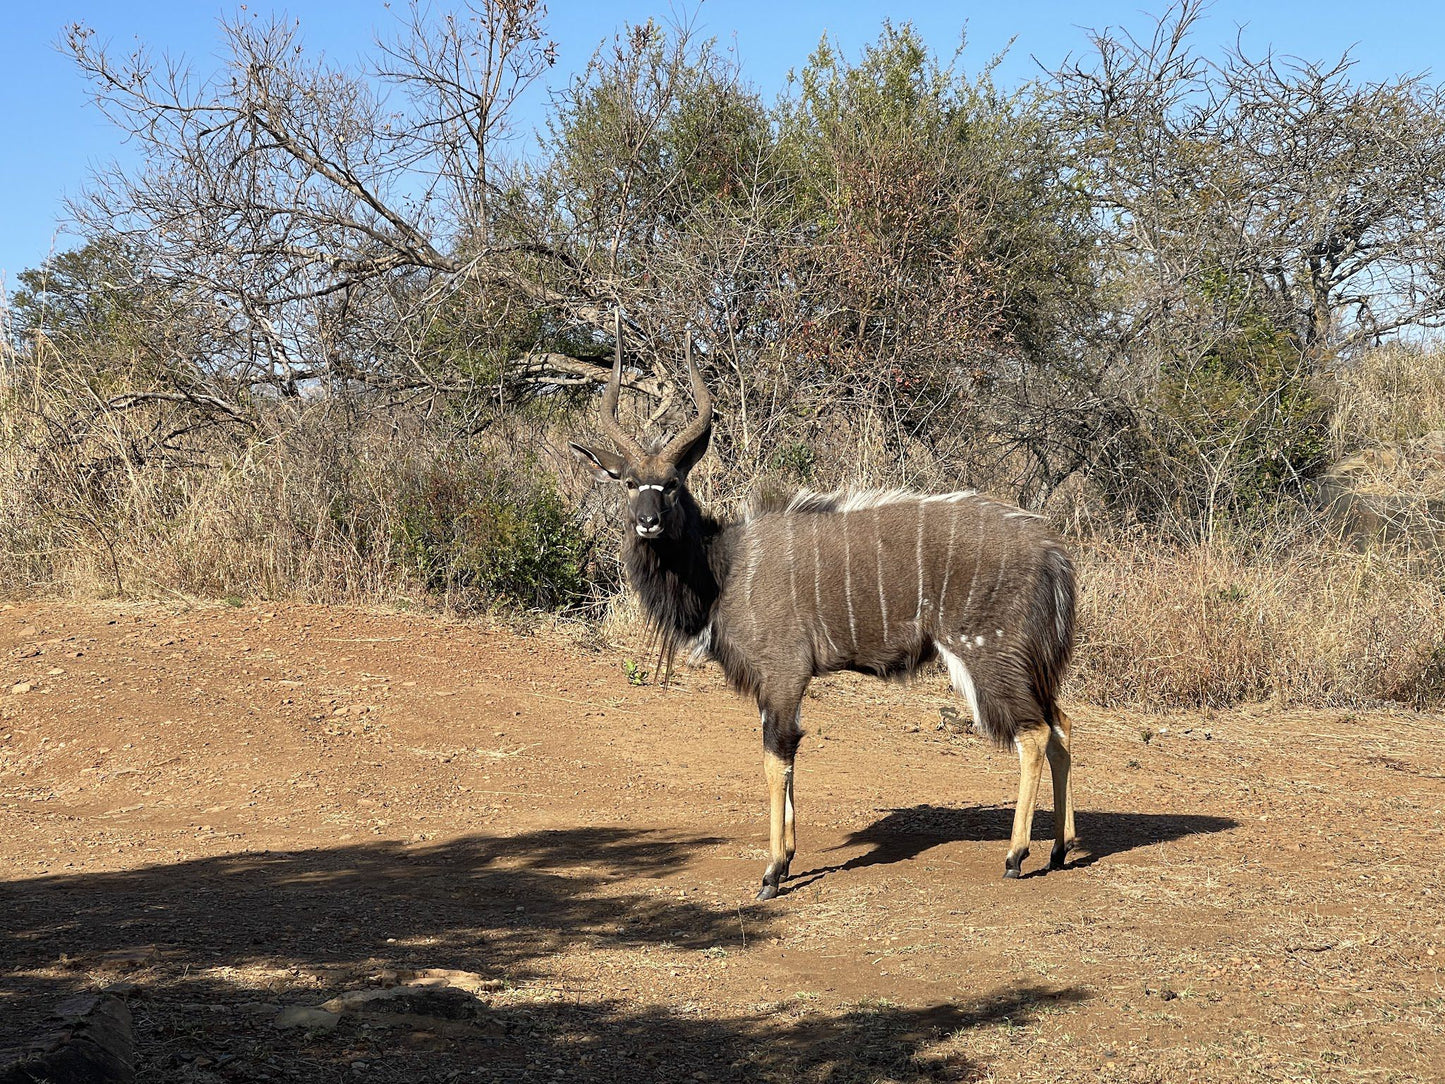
pixel 222 813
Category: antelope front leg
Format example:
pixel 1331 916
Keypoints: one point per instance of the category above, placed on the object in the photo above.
pixel 1031 744
pixel 790 828
pixel 781 840
pixel 780 744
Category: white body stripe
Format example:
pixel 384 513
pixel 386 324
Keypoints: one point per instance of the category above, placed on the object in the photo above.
pixel 918 609
pixel 882 600
pixel 750 566
pixel 973 580
pixel 792 572
pixel 997 581
pixel 947 563
pixel 818 590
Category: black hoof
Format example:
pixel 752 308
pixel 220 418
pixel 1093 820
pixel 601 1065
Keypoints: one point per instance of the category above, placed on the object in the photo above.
pixel 768 891
pixel 1013 864
pixel 1058 854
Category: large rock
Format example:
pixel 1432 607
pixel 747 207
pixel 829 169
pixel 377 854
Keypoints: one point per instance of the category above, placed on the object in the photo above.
pixel 90 1043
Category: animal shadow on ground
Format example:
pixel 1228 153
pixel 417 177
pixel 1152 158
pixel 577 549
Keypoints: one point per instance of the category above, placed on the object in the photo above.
pixel 903 834
pixel 208 950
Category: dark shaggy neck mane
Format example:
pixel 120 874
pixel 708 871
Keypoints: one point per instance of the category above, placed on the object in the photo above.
pixel 678 579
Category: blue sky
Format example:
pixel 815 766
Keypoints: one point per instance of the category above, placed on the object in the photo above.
pixel 51 139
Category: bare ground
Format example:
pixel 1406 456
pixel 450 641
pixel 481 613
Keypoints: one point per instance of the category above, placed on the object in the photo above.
pixel 222 813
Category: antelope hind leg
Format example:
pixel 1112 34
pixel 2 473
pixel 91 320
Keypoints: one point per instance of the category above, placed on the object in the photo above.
pixel 1060 762
pixel 1031 745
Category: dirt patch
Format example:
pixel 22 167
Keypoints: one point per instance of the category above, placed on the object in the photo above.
pixel 228 816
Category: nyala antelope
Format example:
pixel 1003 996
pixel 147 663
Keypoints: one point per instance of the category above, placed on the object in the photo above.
pixel 878 582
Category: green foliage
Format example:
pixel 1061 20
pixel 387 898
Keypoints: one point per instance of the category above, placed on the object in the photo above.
pixel 946 189
pixel 499 534
pixel 89 294
pixel 96 318
pixel 1241 424
pixel 650 134
pixel 874 152
pixel 796 460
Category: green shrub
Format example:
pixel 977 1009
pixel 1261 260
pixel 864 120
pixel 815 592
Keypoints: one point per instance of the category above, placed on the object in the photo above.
pixel 1236 423
pixel 497 535
pixel 795 460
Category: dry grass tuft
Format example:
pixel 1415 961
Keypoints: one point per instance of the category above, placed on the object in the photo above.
pixel 1394 393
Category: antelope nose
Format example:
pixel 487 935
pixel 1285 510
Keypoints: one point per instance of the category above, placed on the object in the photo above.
pixel 646 521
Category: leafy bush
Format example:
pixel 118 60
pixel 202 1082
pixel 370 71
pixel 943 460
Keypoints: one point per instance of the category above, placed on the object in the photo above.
pixel 1234 422
pixel 498 536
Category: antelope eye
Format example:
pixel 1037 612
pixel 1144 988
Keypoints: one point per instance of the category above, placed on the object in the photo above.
pixel 670 487
pixel 631 483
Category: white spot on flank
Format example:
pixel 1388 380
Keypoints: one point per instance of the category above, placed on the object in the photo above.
pixel 998 632
pixel 978 641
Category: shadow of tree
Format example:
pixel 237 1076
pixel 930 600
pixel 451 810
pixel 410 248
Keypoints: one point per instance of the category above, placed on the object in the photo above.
pixel 227 939
pixel 903 834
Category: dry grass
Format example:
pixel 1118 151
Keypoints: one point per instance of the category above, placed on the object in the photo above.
pixel 309 507
pixel 1316 623
pixel 1391 394
pixel 259 518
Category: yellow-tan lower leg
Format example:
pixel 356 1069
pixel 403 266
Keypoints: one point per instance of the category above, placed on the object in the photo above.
pixel 781 832
pixel 1031 745
pixel 1060 763
pixel 790 827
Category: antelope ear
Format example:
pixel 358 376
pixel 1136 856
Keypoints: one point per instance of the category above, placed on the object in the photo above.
pixel 688 457
pixel 605 466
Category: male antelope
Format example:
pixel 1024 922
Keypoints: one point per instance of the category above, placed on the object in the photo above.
pixel 879 582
